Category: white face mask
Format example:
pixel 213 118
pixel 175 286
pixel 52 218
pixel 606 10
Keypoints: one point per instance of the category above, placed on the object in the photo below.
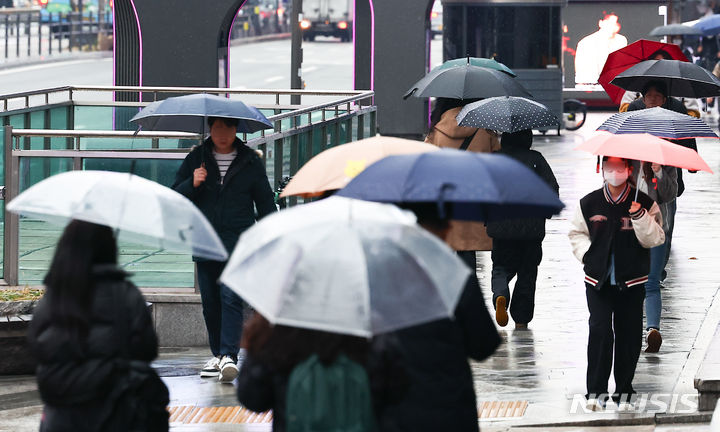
pixel 615 178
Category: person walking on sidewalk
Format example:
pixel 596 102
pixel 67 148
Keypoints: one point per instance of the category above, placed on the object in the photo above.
pixel 610 236
pixel 517 243
pixel 94 339
pixel 466 237
pixel 655 93
pixel 660 184
pixel 439 393
pixel 226 180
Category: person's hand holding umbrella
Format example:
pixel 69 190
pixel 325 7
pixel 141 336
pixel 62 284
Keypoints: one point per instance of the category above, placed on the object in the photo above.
pixel 199 176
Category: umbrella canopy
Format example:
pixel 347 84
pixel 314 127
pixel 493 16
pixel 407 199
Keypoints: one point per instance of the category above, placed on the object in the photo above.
pixel 709 25
pixel 334 168
pixel 624 58
pixel 506 114
pixel 683 79
pixel 479 187
pixel 345 266
pixel 189 114
pixel 141 210
pixel 646 148
pixel 676 30
pixel 477 61
pixel 467 82
pixel 659 122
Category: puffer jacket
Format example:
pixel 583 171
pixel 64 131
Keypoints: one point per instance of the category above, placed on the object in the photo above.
pixel 230 205
pixel 104 383
pixel 464 235
pixel 439 394
pixel 517 146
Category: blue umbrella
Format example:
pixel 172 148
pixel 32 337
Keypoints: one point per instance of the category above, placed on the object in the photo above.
pixel 659 122
pixel 189 114
pixel 710 25
pixel 478 187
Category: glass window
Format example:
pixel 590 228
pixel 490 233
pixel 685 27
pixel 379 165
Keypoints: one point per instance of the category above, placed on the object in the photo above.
pixel 522 37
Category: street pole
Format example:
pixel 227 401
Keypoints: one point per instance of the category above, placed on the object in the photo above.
pixel 296 55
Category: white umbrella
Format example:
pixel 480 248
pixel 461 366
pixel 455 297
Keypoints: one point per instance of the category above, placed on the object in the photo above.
pixel 141 210
pixel 345 266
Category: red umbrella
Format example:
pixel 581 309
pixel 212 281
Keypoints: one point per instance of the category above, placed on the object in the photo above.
pixel 644 147
pixel 629 56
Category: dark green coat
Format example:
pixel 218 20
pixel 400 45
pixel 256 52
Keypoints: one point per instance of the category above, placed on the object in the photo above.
pixel 230 205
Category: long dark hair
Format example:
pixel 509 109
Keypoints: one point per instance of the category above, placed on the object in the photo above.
pixel 69 281
pixel 283 347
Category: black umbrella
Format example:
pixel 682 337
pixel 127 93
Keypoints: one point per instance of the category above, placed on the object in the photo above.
pixel 467 82
pixel 506 114
pixel 683 79
pixel 676 30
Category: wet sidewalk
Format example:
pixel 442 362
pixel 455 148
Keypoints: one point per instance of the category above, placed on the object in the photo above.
pixel 540 370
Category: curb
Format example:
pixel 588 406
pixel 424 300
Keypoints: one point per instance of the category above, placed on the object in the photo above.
pixel 263 38
pixel 94 55
pixel 654 419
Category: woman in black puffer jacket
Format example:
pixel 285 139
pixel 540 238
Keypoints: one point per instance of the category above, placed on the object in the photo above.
pixel 93 338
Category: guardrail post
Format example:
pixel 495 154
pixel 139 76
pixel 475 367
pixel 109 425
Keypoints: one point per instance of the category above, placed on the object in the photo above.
pixel 11 227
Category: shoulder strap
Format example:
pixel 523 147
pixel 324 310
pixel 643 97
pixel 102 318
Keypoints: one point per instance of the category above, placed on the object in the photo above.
pixel 466 143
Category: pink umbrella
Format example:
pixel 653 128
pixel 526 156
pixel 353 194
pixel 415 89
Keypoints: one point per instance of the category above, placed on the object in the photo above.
pixel 646 148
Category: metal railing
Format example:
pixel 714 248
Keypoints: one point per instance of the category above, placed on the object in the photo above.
pixel 29 32
pixel 295 127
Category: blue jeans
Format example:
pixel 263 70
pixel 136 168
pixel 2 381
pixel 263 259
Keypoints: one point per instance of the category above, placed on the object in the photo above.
pixel 653 300
pixel 222 310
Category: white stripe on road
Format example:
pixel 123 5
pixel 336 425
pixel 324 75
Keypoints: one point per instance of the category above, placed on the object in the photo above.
pixel 273 79
pixel 309 69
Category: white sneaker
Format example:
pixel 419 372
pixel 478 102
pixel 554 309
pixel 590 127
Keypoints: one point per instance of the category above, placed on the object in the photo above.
pixel 228 370
pixel 595 405
pixel 626 407
pixel 211 368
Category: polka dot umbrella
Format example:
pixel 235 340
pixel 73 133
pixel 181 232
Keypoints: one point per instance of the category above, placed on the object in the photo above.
pixel 507 114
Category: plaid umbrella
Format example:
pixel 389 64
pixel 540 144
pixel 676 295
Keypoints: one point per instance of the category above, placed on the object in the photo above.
pixel 506 114
pixel 659 122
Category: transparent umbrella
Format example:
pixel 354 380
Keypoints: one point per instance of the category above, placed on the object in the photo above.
pixel 345 266
pixel 140 210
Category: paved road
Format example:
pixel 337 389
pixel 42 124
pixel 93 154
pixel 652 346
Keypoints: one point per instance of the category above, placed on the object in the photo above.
pixel 327 66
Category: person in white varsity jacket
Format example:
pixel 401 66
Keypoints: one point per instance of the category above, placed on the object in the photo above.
pixel 611 235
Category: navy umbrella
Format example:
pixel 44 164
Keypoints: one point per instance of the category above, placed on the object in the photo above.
pixel 506 114
pixel 467 82
pixel 709 25
pixel 683 79
pixel 189 114
pixel 659 122
pixel 476 186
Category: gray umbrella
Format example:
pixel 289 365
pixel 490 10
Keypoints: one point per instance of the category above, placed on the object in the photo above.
pixel 467 82
pixel 676 30
pixel 683 79
pixel 507 114
pixel 189 114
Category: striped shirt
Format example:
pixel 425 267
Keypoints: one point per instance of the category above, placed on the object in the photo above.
pixel 224 161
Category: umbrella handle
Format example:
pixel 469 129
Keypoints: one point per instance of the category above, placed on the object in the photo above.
pixel 637 182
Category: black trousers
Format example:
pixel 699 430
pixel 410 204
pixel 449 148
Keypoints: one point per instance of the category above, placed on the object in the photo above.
pixel 616 321
pixel 521 258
